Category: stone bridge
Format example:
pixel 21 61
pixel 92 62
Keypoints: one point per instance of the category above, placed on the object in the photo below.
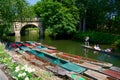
pixel 18 25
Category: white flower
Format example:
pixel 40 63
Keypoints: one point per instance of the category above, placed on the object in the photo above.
pixel 30 70
pixel 26 78
pixel 22 68
pixel 25 67
pixel 33 70
pixel 24 74
pixel 19 75
pixel 17 69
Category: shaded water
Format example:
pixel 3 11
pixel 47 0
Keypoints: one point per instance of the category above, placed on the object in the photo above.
pixel 71 47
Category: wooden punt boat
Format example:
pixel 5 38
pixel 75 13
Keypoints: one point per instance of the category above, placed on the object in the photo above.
pixel 81 63
pixel 51 67
pixel 90 66
pixel 57 61
pixel 102 51
pixel 47 46
pixel 115 68
pixel 112 73
pixel 33 59
pixel 50 47
pixel 86 65
pixel 74 76
pixel 96 75
pixel 31 43
pixel 45 49
pixel 90 47
pixel 40 44
pixel 57 70
pixel 24 48
pixel 83 59
pixel 28 45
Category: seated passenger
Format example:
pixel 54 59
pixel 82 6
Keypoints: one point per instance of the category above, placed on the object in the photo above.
pixel 97 47
pixel 108 50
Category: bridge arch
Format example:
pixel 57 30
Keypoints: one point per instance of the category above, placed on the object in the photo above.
pixel 18 25
pixel 23 28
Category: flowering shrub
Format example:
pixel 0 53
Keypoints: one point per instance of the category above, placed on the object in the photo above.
pixel 23 73
pixel 17 71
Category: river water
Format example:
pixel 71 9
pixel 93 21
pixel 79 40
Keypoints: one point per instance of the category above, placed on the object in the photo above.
pixel 71 47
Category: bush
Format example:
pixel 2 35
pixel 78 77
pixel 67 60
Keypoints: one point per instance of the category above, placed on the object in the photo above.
pixel 117 43
pixel 97 37
pixel 15 70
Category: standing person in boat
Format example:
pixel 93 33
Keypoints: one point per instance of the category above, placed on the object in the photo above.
pixel 87 41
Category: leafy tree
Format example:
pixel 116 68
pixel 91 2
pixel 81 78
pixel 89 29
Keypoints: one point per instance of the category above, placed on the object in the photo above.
pixel 58 18
pixel 95 14
pixel 116 18
pixel 100 15
pixel 10 11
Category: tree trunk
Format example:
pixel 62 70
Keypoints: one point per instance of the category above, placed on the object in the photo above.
pixel 42 32
pixel 84 24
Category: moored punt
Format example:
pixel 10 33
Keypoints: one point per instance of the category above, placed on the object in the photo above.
pixel 47 46
pixel 115 68
pixel 57 70
pixel 11 46
pixel 34 59
pixel 50 47
pixel 112 73
pixel 43 48
pixel 93 61
pixel 28 45
pixel 19 44
pixel 25 55
pixel 24 48
pixel 32 43
pixel 57 61
pixel 90 66
pixel 81 63
pixel 83 59
pixel 73 67
pixel 74 76
pixel 96 75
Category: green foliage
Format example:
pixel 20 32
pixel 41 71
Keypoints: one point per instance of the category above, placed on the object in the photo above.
pixel 12 10
pixel 58 18
pixel 97 37
pixel 117 43
pixel 30 29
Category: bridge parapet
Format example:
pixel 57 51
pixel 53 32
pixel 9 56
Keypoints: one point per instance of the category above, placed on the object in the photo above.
pixel 18 25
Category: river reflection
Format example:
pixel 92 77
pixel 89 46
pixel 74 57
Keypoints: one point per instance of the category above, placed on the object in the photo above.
pixel 71 47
